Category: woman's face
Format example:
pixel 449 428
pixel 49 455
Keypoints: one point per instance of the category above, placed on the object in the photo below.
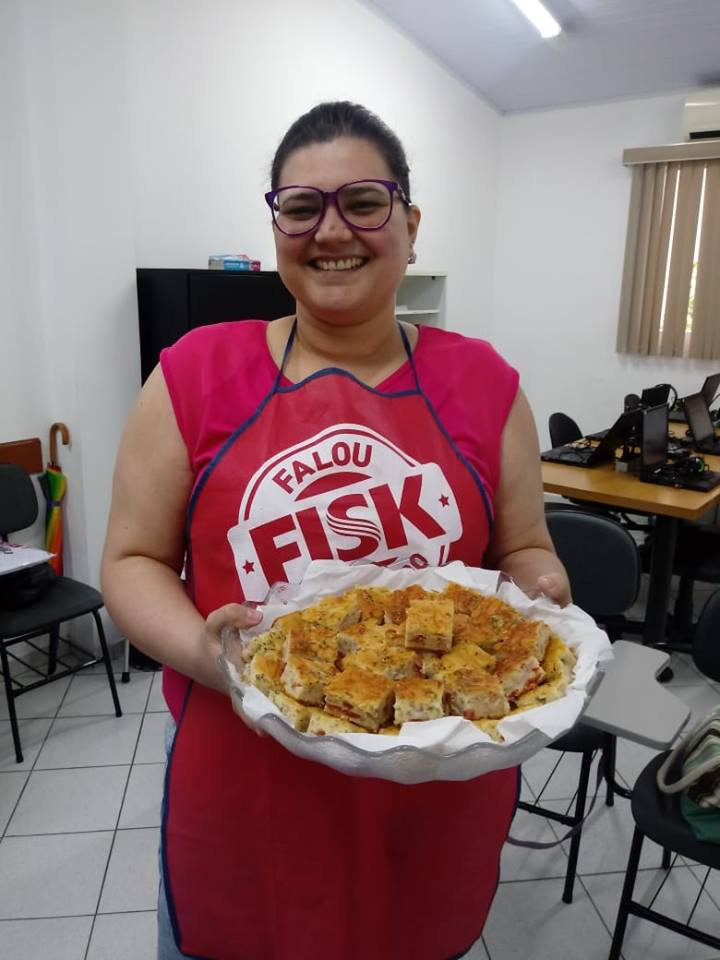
pixel 337 273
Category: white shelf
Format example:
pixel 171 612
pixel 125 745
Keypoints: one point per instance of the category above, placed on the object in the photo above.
pixel 421 295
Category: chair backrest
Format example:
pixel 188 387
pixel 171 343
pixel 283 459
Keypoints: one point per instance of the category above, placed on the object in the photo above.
pixel 563 429
pixel 706 639
pixel 601 559
pixel 18 500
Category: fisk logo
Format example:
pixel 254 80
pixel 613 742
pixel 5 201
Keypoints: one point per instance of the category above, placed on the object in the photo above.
pixel 349 494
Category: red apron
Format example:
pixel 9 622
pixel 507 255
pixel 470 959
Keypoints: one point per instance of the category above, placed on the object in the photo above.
pixel 269 857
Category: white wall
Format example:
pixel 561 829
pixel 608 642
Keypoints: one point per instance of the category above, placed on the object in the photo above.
pixel 141 134
pixel 563 199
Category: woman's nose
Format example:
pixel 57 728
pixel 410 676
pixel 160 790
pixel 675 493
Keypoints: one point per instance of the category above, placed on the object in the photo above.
pixel 332 226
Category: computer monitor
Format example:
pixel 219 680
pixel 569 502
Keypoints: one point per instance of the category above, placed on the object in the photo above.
pixel 654 436
pixel 710 388
pixel 654 396
pixel 698 418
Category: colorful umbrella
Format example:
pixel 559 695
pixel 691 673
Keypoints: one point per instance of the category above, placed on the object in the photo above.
pixel 54 485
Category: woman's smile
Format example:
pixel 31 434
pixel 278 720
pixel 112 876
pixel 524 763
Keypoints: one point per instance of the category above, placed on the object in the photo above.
pixel 338 264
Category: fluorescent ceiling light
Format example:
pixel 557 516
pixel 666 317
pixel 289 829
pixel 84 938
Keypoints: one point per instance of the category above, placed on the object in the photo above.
pixel 539 17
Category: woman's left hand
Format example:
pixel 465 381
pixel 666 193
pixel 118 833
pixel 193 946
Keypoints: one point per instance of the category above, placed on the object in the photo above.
pixel 554 586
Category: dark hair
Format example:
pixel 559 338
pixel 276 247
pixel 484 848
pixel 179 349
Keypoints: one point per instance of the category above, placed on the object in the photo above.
pixel 328 121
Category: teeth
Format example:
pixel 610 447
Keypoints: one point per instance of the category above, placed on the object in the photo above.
pixel 350 263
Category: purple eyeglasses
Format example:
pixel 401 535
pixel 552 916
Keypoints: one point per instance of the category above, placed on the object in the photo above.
pixel 362 204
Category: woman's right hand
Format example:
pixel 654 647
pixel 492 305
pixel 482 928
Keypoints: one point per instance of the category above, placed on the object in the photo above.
pixel 236 615
pixel 232 616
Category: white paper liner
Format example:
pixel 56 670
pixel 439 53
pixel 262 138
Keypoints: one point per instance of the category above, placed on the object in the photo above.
pixel 450 748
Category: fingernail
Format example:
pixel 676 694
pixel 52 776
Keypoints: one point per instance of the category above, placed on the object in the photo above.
pixel 253 616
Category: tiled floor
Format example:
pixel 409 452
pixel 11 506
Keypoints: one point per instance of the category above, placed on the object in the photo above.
pixel 80 818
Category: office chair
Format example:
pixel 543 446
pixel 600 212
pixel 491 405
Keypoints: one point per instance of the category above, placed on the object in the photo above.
pixel 603 565
pixel 563 429
pixel 697 558
pixel 63 600
pixel 657 815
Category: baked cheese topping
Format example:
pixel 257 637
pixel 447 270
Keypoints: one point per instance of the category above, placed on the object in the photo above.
pixel 373 659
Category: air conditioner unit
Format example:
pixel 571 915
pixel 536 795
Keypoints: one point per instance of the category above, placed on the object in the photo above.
pixel 701 115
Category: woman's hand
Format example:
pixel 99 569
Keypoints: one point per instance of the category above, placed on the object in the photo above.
pixel 232 617
pixel 555 586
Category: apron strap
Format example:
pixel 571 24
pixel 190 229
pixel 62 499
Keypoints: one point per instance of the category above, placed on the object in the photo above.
pixel 285 356
pixel 408 351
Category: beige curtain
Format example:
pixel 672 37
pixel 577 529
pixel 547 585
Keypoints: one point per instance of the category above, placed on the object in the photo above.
pixel 659 253
pixel 705 336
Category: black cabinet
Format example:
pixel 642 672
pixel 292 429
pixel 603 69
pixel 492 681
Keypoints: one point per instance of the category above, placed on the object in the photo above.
pixel 171 302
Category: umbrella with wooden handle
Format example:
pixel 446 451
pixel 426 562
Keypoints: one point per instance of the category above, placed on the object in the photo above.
pixel 53 484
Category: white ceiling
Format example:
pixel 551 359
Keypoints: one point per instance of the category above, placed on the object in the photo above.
pixel 609 49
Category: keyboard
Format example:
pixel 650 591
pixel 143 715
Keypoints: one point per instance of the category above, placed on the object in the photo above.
pixel 669 475
pixel 709 446
pixel 576 456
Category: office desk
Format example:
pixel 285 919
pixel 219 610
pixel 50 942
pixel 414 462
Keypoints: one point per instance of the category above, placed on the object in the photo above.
pixel 604 484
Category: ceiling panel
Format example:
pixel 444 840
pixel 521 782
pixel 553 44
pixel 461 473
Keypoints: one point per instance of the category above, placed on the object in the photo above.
pixel 608 49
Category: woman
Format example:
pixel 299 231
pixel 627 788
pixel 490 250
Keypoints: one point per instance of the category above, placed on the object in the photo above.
pixel 251 450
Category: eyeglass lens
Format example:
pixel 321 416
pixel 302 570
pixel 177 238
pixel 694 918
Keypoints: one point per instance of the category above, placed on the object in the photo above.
pixel 365 205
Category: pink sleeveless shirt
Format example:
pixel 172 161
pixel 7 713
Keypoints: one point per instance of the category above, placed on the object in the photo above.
pixel 218 376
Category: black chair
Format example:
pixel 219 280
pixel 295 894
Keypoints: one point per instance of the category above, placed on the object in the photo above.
pixel 697 559
pixel 603 565
pixel 657 815
pixel 63 600
pixel 563 429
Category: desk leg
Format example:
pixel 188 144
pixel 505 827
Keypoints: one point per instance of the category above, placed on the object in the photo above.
pixel 661 565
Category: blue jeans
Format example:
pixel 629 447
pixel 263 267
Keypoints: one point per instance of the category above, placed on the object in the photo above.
pixel 166 941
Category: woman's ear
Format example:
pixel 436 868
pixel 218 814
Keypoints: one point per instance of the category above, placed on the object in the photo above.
pixel 413 221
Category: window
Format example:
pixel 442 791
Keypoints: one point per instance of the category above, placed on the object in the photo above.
pixel 670 297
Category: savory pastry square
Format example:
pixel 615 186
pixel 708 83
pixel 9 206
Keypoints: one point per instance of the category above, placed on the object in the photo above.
pixel 533 635
pixel 360 696
pixel 322 723
pixel 392 663
pixel 397 602
pixel 464 599
pixel 311 642
pixel 360 635
pixel 546 692
pixel 296 713
pixel 465 655
pixel 264 672
pixel 518 670
pixel 418 699
pixel 429 663
pixel 475 695
pixel 334 612
pixel 429 625
pixel 270 643
pixel 559 659
pixel 371 602
pixel 490 622
pixel 305 680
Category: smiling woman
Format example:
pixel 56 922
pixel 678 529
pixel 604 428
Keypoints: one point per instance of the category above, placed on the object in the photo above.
pixel 256 448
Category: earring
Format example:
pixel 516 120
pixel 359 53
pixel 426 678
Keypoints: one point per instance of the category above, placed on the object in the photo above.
pixel 413 256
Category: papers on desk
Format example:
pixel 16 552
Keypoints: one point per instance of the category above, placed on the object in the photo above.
pixel 14 557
